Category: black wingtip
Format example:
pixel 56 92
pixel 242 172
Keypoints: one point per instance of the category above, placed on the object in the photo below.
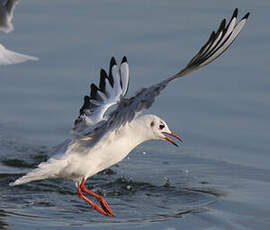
pixel 110 77
pixel 222 24
pixel 86 104
pixel 246 16
pixel 103 76
pixel 212 36
pixel 124 59
pixel 112 62
pixel 235 13
pixel 103 73
pixel 93 93
pixel 86 100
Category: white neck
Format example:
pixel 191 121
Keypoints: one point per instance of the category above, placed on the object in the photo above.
pixel 139 129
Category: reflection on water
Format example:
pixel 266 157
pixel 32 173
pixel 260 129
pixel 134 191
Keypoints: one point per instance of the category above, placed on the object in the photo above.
pixel 3 224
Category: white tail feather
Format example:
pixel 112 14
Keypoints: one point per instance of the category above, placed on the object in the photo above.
pixel 31 176
pixel 45 170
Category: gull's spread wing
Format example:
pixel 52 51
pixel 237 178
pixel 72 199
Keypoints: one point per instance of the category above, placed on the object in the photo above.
pixel 8 57
pixel 218 42
pixel 111 89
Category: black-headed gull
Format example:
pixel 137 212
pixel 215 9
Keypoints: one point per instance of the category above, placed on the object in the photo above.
pixel 100 140
pixel 6 14
pixel 8 57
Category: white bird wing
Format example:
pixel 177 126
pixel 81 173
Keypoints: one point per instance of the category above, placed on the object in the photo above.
pixel 10 6
pixel 111 89
pixel 8 57
pixel 3 16
pixel 127 108
pixel 6 14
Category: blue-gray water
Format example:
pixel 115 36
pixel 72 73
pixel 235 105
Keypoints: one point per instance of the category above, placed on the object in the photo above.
pixel 219 178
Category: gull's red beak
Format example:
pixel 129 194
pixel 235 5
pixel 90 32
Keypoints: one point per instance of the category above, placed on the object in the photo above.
pixel 170 140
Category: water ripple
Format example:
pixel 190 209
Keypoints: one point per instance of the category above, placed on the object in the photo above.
pixel 132 200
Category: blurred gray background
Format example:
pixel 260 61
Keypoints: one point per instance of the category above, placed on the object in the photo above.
pixel 222 111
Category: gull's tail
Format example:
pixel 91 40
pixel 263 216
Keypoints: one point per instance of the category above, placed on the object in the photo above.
pixel 52 168
pixel 45 170
pixel 31 176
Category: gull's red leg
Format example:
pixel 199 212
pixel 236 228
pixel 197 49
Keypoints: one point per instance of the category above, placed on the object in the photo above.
pixel 94 206
pixel 101 199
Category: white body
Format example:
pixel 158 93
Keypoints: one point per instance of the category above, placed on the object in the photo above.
pixel 77 161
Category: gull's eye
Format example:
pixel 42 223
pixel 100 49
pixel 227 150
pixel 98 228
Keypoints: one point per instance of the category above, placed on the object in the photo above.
pixel 152 124
pixel 161 126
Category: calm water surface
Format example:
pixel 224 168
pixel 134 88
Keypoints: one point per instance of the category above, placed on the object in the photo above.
pixel 219 178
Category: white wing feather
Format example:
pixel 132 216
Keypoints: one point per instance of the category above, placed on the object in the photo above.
pixel 218 42
pixel 8 57
pixel 7 8
pixel 111 89
pixel 127 108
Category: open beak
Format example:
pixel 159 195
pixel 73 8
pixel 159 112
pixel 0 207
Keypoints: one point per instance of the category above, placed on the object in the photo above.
pixel 170 140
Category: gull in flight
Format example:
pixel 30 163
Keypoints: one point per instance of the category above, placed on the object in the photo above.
pixel 100 140
pixel 6 14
